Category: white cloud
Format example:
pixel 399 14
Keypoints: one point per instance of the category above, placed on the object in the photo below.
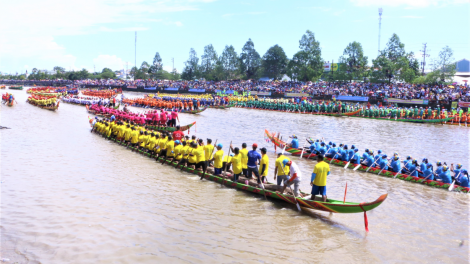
pixel 34 35
pixel 109 61
pixel 409 3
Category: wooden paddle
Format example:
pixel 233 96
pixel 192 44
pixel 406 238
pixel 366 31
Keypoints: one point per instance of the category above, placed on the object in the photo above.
pixel 452 186
pixel 225 170
pixel 293 194
pixel 333 158
pixel 388 164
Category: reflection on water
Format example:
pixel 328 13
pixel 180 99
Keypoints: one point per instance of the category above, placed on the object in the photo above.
pixel 70 196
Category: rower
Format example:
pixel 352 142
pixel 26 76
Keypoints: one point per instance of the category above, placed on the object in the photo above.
pixel 365 154
pixel 281 175
pixel 407 162
pixel 383 163
pixel 208 150
pixel 344 153
pixel 332 151
pixel 294 143
pixel 322 149
pixel 463 179
pixel 444 176
pixel 356 159
pixel 395 165
pixel 439 167
pixel 318 179
pixel 264 165
pixel 457 170
pixel 427 173
pixel 217 159
pixel 295 176
pixel 423 166
pixel 379 154
pixel 351 152
pixel 253 158
pixel 236 161
pixel 413 168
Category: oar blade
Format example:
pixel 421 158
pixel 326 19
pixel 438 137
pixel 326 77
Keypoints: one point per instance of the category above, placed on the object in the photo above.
pixel 357 167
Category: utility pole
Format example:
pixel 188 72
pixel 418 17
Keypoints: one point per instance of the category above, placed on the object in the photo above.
pixel 423 64
pixel 173 60
pixel 94 68
pixel 380 25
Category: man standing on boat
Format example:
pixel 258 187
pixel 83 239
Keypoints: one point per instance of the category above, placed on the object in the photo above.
pixel 253 159
pixel 295 176
pixel 318 180
pixel 282 174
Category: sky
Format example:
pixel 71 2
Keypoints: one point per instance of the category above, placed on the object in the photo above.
pixel 94 34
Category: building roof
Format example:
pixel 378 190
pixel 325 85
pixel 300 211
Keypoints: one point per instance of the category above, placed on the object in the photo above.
pixel 463 66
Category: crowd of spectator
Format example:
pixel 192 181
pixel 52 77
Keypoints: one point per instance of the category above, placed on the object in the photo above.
pixel 445 93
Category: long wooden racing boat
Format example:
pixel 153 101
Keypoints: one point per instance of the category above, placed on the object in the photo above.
pixel 308 113
pixel 332 206
pixel 172 129
pixel 297 152
pixel 193 111
pixel 16 87
pixel 222 106
pixel 52 108
pixel 409 120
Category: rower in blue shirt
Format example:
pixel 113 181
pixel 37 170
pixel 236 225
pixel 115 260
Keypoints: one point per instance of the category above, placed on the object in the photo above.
pixel 395 165
pixel 379 154
pixel 463 179
pixel 370 160
pixel 439 168
pixel 322 149
pixel 351 152
pixel 344 153
pixel 295 142
pixel 413 168
pixel 427 173
pixel 317 145
pixel 407 162
pixel 444 176
pixel 423 166
pixel 312 148
pixel 366 154
pixel 383 163
pixel 332 151
pixel 329 145
pixel 457 170
pixel 356 159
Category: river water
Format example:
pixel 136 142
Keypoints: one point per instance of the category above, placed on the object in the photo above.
pixel 69 196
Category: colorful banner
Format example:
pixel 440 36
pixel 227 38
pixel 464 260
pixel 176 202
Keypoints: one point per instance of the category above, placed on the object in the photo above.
pixel 464 104
pixel 197 90
pixel 402 101
pixel 351 98
pixel 261 93
pixel 171 89
pixel 296 94
pixel 150 88
pixel 329 66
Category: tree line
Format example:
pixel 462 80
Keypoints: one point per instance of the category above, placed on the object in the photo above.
pixel 393 64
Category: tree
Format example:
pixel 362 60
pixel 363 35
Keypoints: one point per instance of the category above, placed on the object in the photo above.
pixel 157 62
pixel 107 73
pixel 190 70
pixel 354 60
pixel 274 62
pixel 445 66
pixel 312 56
pixel 250 60
pixel 391 60
pixel 208 62
pixel 230 62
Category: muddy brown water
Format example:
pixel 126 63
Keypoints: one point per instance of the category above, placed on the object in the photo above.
pixel 69 196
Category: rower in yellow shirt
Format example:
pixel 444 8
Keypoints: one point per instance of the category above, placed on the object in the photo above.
pixel 244 159
pixel 282 175
pixel 134 137
pixel 170 147
pixel 178 150
pixel 236 162
pixel 218 160
pixel 208 150
pixel 192 159
pixel 201 157
pixel 263 165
